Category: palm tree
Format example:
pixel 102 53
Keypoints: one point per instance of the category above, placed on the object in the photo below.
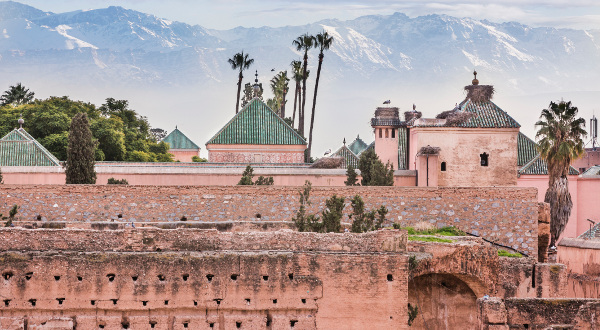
pixel 303 42
pixel 322 41
pixel 17 95
pixel 560 142
pixel 242 62
pixel 297 74
pixel 279 86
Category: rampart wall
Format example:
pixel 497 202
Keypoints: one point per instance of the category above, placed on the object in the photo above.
pixel 506 215
pixel 202 280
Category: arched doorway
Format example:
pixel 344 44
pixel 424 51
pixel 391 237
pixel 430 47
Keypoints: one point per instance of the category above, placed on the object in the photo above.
pixel 444 302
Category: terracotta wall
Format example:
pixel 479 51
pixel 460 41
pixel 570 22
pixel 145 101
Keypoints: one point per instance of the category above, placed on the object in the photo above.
pixel 505 215
pixel 227 287
pixel 184 155
pixel 460 149
pixel 386 147
pixel 582 258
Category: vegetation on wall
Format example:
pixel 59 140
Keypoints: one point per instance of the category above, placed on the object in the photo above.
pixel 247 176
pixel 365 221
pixel 351 177
pixel 11 216
pixel 372 170
pixel 116 181
pixel 197 159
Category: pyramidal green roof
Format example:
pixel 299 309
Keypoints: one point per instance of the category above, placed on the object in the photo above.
pixel 178 140
pixel 18 148
pixel 357 146
pixel 486 115
pixel 528 158
pixel 350 158
pixel 256 123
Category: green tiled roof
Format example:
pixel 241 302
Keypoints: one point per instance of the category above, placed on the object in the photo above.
pixel 528 158
pixel 350 158
pixel 256 123
pixel 178 140
pixel 18 148
pixel 486 115
pixel 357 146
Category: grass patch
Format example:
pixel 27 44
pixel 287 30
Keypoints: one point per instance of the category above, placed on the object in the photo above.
pixel 429 239
pixel 444 231
pixel 504 253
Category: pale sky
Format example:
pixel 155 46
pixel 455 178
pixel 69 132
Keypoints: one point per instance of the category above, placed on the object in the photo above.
pixel 226 14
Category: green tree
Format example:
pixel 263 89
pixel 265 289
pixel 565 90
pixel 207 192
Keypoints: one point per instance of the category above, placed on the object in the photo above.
pixel 332 215
pixel 79 167
pixel 197 159
pixel 110 136
pixel 303 221
pixel 264 181
pixel 1 178
pixel 303 43
pixel 247 176
pixel 560 142
pixel 57 144
pixel 16 95
pixel 372 170
pixel 323 42
pixel 241 62
pixel 279 87
pixel 351 177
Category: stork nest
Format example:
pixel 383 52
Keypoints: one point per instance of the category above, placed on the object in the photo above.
pixel 480 93
pixel 455 117
pixel 429 150
pixel 328 162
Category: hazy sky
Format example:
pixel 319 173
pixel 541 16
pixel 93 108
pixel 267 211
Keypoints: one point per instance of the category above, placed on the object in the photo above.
pixel 225 14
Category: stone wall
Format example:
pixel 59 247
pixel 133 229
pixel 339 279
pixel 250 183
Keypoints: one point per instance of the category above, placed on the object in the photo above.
pixel 506 215
pixel 276 280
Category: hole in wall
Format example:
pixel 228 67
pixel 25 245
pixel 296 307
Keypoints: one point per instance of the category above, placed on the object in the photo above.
pixel 183 218
pixel 484 159
pixel 238 324
pixel 212 325
pixel 185 324
pixel 7 275
pixel 60 300
pixel 32 302
pixel 234 277
pixel 125 324
pixel 218 301
pixel 28 276
pixel 390 277
pixel 134 278
pixel 195 303
pixel 209 277
pixel 293 323
pixel 144 302
pixel 80 278
pixel 291 276
pixel 258 216
pixel 247 301
pixel 56 277
pixel 526 326
pixel 119 216
pixel 39 217
pixel 185 277
pixel 152 324
pixel 274 301
pixel 114 301
pixel 166 302
pixel 111 277
pixel 101 326
pixel 265 278
pixel 93 302
pixel 6 302
pixel 269 320
pixel 303 300
pixel 162 277
pixel 443 167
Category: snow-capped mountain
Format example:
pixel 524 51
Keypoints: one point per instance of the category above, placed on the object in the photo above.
pixel 128 54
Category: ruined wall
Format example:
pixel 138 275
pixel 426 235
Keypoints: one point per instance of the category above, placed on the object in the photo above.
pixel 533 313
pixel 277 280
pixel 582 258
pixel 505 215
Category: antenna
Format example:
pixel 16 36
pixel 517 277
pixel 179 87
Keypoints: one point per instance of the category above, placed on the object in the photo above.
pixel 594 131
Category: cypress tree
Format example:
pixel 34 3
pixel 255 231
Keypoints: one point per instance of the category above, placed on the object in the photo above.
pixel 79 166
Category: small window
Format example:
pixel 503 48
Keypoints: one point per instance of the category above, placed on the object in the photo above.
pixel 393 133
pixel 387 133
pixel 443 166
pixel 380 133
pixel 484 159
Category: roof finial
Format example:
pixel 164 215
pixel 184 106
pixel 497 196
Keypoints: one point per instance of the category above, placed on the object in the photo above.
pixel 344 141
pixel 414 107
pixel 21 122
pixel 256 87
pixel 475 81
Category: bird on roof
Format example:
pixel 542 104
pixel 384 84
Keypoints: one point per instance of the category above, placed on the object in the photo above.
pixel 272 69
pixel 327 152
pixel 387 102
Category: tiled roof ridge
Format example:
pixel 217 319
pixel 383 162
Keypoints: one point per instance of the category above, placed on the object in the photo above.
pixel 29 139
pixel 184 136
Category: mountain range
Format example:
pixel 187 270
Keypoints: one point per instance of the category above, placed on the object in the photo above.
pixel 177 74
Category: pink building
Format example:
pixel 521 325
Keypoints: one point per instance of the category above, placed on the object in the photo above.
pixel 181 147
pixel 256 135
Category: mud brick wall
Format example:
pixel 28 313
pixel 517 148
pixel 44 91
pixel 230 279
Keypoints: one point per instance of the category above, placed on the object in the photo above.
pixel 507 215
pixel 228 288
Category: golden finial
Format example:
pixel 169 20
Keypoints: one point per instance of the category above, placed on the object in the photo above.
pixel 475 81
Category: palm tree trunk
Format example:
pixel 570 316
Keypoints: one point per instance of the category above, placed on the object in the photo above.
pixel 283 104
pixel 295 99
pixel 559 198
pixel 301 123
pixel 237 102
pixel 312 116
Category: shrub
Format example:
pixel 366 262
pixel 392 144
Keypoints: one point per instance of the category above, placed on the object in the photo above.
pixel 504 253
pixel 332 216
pixel 1 179
pixel 115 181
pixel 11 215
pixel 197 159
pixel 429 239
pixel 372 170
pixel 365 222
pixel 264 181
pixel 247 175
pixel 351 177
